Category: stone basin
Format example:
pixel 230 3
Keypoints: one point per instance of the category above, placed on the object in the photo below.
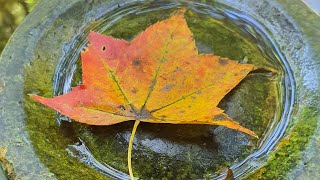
pixel 40 148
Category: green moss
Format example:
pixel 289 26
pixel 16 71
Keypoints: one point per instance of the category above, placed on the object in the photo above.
pixel 290 148
pixel 49 140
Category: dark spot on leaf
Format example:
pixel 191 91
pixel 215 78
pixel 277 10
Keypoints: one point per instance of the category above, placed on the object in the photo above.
pixel 163 78
pixel 167 87
pixel 244 70
pixel 223 61
pixel 178 69
pixel 219 117
pixel 199 92
pixel 164 59
pixel 122 108
pixel 103 48
pixel 134 90
pixel 136 62
pixel 182 111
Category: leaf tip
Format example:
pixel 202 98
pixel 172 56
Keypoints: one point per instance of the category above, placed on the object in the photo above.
pixel 180 12
pixel 249 132
pixel 92 33
pixel 37 98
pixel 94 37
pixel 32 95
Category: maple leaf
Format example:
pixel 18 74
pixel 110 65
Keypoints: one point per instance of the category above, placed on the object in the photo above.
pixel 158 77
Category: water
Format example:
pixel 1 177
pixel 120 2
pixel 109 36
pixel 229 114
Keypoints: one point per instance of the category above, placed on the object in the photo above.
pixel 262 102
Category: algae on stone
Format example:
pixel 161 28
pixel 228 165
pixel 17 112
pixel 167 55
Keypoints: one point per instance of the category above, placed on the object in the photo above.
pixel 49 139
pixel 290 148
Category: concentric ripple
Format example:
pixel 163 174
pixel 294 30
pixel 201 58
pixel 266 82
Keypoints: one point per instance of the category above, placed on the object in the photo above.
pixel 247 26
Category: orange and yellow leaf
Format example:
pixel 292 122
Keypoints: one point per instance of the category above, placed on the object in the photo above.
pixel 158 77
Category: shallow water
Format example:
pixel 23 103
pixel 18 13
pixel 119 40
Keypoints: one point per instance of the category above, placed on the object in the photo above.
pixel 262 102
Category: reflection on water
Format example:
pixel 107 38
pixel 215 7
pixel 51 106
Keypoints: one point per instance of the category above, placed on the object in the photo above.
pixel 262 102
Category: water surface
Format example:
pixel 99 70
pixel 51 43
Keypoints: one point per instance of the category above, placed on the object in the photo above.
pixel 261 102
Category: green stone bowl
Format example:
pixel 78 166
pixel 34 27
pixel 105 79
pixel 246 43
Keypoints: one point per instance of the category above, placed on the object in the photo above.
pixel 44 36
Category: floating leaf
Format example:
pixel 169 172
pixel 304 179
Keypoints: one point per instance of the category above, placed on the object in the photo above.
pixel 158 77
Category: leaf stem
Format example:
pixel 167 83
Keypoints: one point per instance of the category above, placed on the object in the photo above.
pixel 136 123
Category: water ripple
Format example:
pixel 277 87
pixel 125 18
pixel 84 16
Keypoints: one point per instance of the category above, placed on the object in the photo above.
pixel 248 26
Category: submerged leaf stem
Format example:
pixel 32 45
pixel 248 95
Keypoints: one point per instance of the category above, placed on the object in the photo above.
pixel 136 123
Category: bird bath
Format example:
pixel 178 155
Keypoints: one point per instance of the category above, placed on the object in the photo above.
pixel 281 107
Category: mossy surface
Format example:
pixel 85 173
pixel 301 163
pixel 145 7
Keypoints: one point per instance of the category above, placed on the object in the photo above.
pixel 198 151
pixel 50 140
pixel 289 151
